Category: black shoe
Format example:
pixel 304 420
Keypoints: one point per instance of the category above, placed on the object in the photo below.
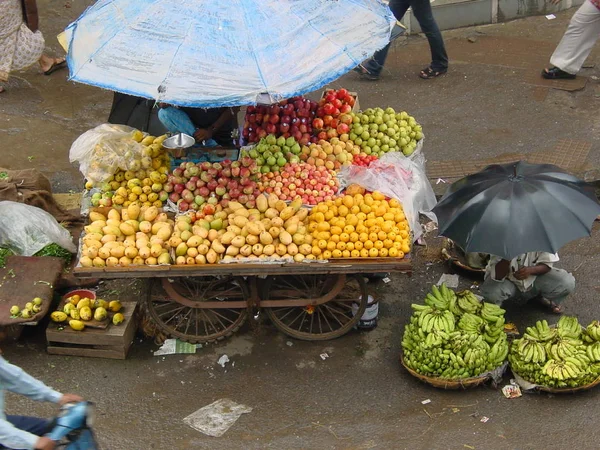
pixel 370 76
pixel 555 73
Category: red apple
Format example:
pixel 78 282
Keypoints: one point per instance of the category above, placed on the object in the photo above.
pixel 341 93
pixel 328 108
pixel 343 128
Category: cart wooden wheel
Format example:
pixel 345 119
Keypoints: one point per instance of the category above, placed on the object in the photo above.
pixel 199 309
pixel 334 304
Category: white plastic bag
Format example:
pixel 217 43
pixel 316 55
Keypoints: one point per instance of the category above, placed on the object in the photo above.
pixel 398 177
pixel 103 150
pixel 26 229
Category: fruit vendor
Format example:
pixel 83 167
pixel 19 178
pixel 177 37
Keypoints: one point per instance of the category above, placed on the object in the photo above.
pixel 528 276
pixel 21 432
pixel 211 127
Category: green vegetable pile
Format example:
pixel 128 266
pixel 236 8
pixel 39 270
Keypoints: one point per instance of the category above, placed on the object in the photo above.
pixel 56 251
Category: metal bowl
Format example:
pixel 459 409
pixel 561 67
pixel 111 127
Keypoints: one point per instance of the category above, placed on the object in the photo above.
pixel 179 141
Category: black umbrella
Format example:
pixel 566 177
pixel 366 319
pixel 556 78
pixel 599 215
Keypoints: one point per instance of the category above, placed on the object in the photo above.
pixel 510 209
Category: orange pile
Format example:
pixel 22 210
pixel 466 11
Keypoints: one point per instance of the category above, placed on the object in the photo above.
pixel 359 226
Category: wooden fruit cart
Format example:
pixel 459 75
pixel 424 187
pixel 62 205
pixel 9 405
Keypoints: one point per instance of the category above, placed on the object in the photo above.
pixel 310 301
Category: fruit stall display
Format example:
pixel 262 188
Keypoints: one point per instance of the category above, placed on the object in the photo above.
pixel 271 230
pixel 565 356
pixel 356 225
pixel 454 337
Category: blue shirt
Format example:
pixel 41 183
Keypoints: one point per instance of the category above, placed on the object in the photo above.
pixel 14 379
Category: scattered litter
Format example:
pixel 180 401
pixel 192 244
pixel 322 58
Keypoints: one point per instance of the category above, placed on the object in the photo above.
pixel 512 390
pixel 450 280
pixel 550 17
pixel 223 360
pixel 455 410
pixel 472 39
pixel 324 356
pixel 289 343
pixel 215 419
pixel 484 419
pixel 386 280
pixel 468 446
pixel 424 402
pixel 175 346
pixel 439 180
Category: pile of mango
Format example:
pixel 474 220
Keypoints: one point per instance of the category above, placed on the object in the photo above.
pixel 79 310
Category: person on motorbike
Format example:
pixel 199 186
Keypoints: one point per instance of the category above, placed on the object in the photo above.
pixel 22 432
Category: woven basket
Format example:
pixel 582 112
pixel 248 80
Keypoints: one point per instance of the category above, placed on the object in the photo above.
pixel 552 390
pixel 444 383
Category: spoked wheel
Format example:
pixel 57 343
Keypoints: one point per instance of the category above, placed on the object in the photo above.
pixel 199 309
pixel 346 297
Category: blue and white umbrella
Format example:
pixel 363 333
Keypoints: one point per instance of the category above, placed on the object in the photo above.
pixel 209 53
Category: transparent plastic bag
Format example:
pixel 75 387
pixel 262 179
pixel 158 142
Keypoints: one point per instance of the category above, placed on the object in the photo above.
pixel 26 229
pixel 103 150
pixel 399 177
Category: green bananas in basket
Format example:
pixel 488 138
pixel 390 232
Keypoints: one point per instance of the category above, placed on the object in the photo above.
pixel 563 356
pixel 454 335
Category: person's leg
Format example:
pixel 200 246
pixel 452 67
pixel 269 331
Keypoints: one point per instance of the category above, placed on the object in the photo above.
pixel 424 15
pixel 498 291
pixel 555 286
pixel 579 39
pixel 176 121
pixel 33 425
pixel 376 63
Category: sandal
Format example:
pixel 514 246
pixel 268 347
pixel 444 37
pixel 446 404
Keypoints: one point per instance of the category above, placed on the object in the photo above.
pixel 429 73
pixel 554 73
pixel 555 308
pixel 56 65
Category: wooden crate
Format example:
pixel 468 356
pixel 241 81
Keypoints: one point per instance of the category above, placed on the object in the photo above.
pixel 355 108
pixel 113 342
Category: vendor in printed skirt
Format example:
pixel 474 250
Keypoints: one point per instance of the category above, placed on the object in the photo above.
pixel 528 276
pixel 211 127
